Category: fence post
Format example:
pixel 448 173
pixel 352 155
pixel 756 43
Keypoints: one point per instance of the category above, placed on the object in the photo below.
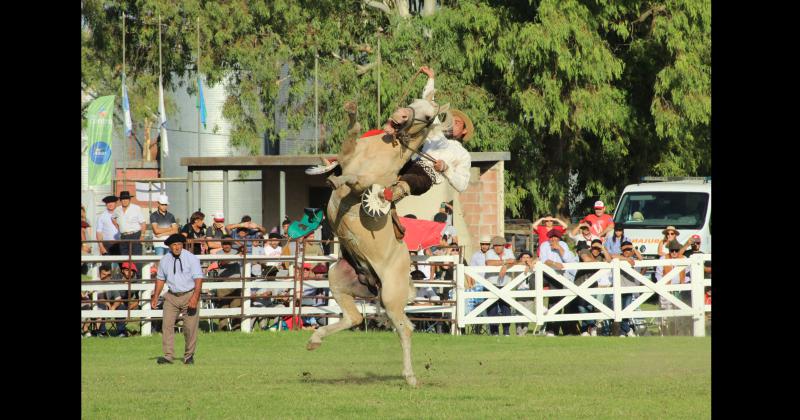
pixel 147 324
pixel 247 323
pixel 539 290
pixel 698 296
pixel 617 284
pixel 459 296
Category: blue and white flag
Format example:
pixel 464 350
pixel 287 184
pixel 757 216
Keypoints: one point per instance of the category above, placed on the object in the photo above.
pixel 162 124
pixel 126 108
pixel 201 102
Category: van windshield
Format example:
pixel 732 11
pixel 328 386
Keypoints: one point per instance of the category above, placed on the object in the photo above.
pixel 658 209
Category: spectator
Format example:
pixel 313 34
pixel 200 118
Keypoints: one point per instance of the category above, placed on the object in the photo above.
pixel 470 285
pixel 246 229
pixel 554 253
pixel 131 224
pixel 527 260
pixel 425 296
pixel 309 295
pixel 194 230
pixel 272 249
pixel 584 238
pixel 86 305
pixel 629 254
pixel 216 231
pixel 449 230
pixel 694 248
pixel 670 234
pixel 110 300
pixel 614 241
pixel 229 298
pixel 129 274
pixel 545 224
pixel 674 248
pixel 85 248
pixel 595 253
pixel 107 229
pixel 444 271
pixel 601 223
pixel 499 255
pixel 163 224
pixel 479 257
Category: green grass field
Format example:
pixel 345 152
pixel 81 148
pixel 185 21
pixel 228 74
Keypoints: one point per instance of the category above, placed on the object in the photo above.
pixel 357 375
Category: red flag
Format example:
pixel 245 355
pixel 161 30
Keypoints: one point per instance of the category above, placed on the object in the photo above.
pixel 421 234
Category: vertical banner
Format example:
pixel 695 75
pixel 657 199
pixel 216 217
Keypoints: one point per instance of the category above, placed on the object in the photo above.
pixel 162 121
pixel 100 115
pixel 126 108
pixel 201 101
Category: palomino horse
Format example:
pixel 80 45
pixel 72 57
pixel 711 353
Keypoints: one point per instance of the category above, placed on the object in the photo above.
pixel 375 263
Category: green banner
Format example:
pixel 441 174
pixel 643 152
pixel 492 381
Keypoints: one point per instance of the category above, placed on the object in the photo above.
pixel 100 115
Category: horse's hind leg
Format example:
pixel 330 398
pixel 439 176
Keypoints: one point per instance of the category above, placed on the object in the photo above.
pixel 340 276
pixel 394 295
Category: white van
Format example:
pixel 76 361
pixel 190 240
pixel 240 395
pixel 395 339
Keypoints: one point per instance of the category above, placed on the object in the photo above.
pixel 645 209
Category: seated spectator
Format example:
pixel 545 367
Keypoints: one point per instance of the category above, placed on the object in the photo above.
pixel 613 242
pixel 674 248
pixel 272 249
pixel 309 296
pixel 499 255
pixel 111 301
pixel 86 305
pixel 601 223
pixel 545 224
pixel 230 270
pixel 583 240
pixel 527 260
pixel 130 273
pixel 216 231
pixel 629 254
pixel 670 234
pixel 595 253
pixel 246 229
pixel 554 253
pixel 444 271
pixel 194 230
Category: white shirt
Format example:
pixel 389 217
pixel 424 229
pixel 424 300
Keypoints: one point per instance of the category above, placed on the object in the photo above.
pixel 478 259
pixel 129 220
pixel 272 252
pixel 106 227
pixel 491 255
pixel 452 152
pixel 255 268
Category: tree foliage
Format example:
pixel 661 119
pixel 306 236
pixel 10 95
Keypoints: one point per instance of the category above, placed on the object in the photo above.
pixel 587 95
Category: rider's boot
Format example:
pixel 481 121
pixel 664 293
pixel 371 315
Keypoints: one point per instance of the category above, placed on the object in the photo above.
pixel 396 191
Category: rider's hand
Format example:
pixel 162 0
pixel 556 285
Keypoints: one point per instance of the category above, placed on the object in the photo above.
pixel 440 166
pixel 427 70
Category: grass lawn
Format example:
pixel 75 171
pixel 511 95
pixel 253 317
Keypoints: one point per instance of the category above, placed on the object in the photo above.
pixel 357 375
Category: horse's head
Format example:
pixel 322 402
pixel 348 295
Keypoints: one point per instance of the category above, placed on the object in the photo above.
pixel 416 120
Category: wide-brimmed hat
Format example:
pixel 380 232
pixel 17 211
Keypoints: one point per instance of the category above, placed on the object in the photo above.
pixel 309 223
pixel 669 228
pixel 125 195
pixel 498 240
pixel 468 126
pixel 175 237
pixel 486 239
pixel 110 199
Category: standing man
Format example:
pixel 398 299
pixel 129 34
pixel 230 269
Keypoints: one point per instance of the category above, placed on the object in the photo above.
pixel 501 256
pixel 601 223
pixel 131 224
pixel 107 229
pixel 554 253
pixel 180 270
pixel 163 224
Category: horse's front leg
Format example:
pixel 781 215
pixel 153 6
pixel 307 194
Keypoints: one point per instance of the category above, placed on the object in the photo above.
pixel 337 181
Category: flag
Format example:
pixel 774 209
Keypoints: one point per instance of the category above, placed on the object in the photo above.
pixel 421 234
pixel 201 102
pixel 126 108
pixel 162 124
pixel 100 123
pixel 146 191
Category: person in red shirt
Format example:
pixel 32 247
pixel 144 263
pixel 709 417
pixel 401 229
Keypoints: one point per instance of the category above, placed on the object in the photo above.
pixel 546 224
pixel 601 223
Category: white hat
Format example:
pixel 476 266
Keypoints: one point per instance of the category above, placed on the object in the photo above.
pixel 599 205
pixel 219 216
pixel 486 239
pixel 163 199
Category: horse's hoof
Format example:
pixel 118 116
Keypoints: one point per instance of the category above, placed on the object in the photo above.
pixel 313 345
pixel 412 381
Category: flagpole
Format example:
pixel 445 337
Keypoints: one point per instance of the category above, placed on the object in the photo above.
pixel 159 85
pixel 200 173
pixel 125 142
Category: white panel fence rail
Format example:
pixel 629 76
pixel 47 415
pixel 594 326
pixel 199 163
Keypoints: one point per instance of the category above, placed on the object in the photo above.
pixel 508 292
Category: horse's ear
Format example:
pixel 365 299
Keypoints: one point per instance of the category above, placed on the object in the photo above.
pixel 444 108
pixel 429 97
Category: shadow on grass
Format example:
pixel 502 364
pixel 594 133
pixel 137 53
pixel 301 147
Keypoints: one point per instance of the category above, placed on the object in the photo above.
pixel 370 378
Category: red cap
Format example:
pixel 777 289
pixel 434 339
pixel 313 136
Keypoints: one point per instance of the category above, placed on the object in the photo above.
pixel 307 265
pixel 130 266
pixel 696 238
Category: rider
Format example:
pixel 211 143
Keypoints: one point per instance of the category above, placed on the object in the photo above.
pixel 452 159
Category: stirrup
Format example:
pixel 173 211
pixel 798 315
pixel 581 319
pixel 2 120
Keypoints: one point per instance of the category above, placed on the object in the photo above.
pixel 372 203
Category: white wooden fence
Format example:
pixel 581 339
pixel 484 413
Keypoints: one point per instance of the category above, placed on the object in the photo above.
pixel 696 308
pixel 509 293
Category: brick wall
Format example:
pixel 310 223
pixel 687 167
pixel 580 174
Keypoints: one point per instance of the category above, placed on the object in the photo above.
pixel 482 204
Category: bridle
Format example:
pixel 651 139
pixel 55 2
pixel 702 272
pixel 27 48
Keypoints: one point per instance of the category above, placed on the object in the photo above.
pixel 403 135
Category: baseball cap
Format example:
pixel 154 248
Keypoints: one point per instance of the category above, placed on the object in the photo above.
pixel 554 232
pixel 163 199
pixel 696 238
pixel 130 266
pixel 599 205
pixel 219 216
